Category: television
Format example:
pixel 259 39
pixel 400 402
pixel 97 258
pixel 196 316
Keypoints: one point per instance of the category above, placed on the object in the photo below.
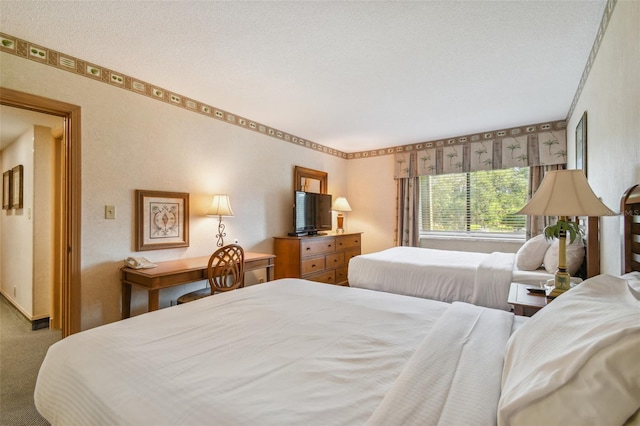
pixel 311 213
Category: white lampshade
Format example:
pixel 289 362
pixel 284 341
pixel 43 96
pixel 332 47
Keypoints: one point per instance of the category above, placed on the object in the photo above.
pixel 341 205
pixel 221 206
pixel 565 193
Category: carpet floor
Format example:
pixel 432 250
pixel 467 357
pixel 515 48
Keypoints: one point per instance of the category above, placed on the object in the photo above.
pixel 22 351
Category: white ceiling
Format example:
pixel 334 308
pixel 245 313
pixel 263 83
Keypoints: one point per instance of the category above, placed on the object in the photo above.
pixel 351 75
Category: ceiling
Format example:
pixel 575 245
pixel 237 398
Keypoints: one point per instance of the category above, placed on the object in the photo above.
pixel 350 75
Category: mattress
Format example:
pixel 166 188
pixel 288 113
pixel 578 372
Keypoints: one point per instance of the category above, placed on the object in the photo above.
pixel 287 352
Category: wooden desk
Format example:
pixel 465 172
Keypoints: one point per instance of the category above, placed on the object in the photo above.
pixel 525 303
pixel 178 272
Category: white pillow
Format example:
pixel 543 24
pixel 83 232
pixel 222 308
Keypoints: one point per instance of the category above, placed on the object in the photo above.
pixel 575 256
pixel 576 360
pixel 531 254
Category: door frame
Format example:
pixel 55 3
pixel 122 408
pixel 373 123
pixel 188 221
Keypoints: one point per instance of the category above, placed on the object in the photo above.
pixel 71 280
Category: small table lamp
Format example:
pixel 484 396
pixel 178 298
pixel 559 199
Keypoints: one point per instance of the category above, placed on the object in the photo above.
pixel 564 193
pixel 221 206
pixel 341 205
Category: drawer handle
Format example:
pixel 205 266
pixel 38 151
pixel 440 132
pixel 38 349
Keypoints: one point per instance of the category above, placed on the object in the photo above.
pixel 308 248
pixel 329 245
pixel 313 266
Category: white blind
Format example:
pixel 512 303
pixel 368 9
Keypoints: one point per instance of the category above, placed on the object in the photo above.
pixel 476 202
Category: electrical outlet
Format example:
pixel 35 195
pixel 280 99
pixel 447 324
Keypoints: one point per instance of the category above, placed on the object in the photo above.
pixel 109 212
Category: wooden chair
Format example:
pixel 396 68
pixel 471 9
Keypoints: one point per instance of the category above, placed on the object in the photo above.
pixel 225 272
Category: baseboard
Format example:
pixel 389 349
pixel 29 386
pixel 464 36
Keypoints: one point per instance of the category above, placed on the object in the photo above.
pixel 36 324
pixel 40 324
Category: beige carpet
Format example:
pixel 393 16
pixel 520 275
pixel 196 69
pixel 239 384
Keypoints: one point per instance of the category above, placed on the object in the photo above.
pixel 21 353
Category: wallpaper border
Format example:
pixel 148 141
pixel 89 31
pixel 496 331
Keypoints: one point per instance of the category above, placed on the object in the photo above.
pixel 604 23
pixel 46 56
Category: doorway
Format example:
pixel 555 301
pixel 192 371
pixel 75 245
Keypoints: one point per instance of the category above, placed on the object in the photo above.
pixel 68 261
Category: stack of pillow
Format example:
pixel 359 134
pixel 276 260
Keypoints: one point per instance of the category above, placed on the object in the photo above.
pixel 538 252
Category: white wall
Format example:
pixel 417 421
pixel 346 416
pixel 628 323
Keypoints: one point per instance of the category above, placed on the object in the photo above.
pixel 17 230
pixel 132 142
pixel 26 275
pixel 372 197
pixel 611 98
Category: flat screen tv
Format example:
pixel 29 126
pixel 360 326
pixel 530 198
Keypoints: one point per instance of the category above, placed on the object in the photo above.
pixel 311 213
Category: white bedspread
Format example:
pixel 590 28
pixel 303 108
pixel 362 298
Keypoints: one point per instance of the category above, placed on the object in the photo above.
pixel 455 363
pixel 478 278
pixel 288 352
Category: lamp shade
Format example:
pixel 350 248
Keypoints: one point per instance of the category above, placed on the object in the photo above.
pixel 565 193
pixel 221 206
pixel 341 205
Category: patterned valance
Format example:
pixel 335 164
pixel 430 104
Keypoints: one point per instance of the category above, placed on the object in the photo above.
pixel 545 147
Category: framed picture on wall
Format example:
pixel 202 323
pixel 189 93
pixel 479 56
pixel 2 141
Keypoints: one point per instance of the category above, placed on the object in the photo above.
pixel 6 190
pixel 162 220
pixel 17 174
pixel 581 144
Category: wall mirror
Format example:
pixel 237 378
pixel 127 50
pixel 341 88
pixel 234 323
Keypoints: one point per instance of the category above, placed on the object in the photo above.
pixel 310 180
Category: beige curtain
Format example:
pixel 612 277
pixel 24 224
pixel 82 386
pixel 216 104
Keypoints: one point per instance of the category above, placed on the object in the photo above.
pixel 536 224
pixel 407 203
pixel 407 233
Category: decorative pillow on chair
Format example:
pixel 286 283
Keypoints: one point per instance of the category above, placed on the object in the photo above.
pixel 576 360
pixel 575 256
pixel 531 254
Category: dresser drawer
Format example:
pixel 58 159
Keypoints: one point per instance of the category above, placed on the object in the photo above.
pixel 334 260
pixel 342 275
pixel 348 254
pixel 312 265
pixel 347 241
pixel 312 247
pixel 327 277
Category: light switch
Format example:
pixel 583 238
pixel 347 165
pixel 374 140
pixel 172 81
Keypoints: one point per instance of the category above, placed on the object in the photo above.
pixel 109 212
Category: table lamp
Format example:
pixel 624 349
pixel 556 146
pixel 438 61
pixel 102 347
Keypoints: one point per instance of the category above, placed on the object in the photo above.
pixel 564 193
pixel 341 205
pixel 220 206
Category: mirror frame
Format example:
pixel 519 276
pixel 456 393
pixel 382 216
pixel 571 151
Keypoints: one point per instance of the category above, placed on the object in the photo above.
pixel 303 172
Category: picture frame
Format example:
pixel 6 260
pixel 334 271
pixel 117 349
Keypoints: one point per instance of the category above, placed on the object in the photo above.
pixel 17 186
pixel 581 144
pixel 6 190
pixel 162 220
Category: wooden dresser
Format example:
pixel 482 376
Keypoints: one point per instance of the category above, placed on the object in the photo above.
pixel 323 258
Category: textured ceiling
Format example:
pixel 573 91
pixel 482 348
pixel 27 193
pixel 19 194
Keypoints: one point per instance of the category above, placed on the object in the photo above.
pixel 350 75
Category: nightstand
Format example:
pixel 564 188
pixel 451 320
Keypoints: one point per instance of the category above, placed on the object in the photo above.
pixel 525 303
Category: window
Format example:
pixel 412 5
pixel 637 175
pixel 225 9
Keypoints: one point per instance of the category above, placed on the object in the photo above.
pixel 474 203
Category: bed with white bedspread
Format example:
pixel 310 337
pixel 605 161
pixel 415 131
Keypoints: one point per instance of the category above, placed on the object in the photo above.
pixel 292 352
pixel 479 278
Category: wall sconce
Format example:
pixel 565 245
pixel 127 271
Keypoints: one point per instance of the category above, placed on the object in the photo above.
pixel 221 206
pixel 341 205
